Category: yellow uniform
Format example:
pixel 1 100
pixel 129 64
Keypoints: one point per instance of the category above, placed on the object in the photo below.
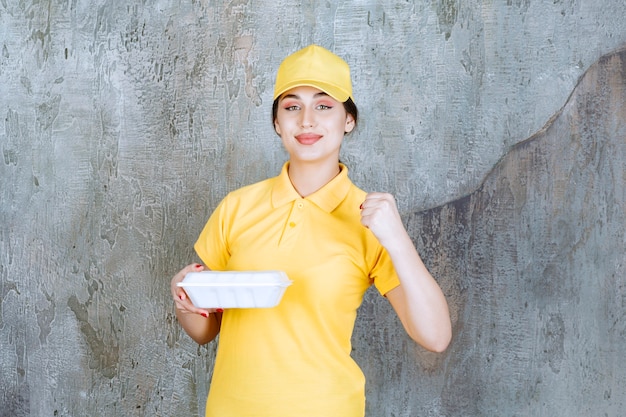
pixel 293 359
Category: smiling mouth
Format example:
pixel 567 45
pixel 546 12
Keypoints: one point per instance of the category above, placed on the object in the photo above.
pixel 308 138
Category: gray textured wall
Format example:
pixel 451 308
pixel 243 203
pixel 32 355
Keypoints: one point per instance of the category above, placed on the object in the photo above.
pixel 500 127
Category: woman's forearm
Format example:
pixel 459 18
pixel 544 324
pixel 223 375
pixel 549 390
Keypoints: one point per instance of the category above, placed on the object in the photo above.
pixel 201 329
pixel 419 301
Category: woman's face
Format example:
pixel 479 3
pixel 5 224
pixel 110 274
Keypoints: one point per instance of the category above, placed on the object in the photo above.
pixel 311 124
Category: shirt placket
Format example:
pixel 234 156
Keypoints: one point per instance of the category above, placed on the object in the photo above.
pixel 294 223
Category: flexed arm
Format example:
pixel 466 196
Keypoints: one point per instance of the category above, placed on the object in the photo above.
pixel 418 300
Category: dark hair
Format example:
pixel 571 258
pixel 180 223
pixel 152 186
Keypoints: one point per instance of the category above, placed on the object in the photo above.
pixel 348 105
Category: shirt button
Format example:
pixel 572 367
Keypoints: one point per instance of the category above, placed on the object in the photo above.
pixel 300 205
pixel 292 224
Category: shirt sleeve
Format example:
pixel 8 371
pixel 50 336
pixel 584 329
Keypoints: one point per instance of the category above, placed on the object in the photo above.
pixel 384 274
pixel 212 244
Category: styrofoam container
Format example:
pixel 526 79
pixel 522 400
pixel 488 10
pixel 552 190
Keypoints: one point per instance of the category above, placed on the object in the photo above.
pixel 235 289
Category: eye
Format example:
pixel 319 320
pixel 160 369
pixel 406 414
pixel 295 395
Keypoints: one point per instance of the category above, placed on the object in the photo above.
pixel 324 107
pixel 291 107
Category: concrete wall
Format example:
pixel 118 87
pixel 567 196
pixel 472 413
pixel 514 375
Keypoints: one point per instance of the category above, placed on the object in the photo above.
pixel 499 126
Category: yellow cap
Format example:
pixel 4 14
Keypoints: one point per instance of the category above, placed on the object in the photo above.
pixel 317 67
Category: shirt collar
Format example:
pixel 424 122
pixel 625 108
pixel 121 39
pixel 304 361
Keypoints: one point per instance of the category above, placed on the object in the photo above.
pixel 327 198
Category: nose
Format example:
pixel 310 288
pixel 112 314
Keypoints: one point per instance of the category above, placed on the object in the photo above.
pixel 308 117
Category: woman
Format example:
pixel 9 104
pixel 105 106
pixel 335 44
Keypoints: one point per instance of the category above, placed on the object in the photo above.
pixel 332 239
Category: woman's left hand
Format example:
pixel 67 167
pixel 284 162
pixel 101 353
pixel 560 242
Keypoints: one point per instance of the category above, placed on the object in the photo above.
pixel 379 213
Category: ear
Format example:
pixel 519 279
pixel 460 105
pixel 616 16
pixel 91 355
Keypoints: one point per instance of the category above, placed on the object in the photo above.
pixel 277 127
pixel 349 126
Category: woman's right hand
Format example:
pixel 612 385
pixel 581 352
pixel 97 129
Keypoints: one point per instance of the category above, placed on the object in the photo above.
pixel 182 301
pixel 198 323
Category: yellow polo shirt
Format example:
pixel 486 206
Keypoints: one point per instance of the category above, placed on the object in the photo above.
pixel 293 359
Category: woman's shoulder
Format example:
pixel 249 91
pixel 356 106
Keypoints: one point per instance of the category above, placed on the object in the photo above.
pixel 356 192
pixel 251 191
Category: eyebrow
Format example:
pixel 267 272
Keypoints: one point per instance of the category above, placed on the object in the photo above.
pixel 297 97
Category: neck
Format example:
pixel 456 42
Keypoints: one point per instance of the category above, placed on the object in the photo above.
pixel 308 178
